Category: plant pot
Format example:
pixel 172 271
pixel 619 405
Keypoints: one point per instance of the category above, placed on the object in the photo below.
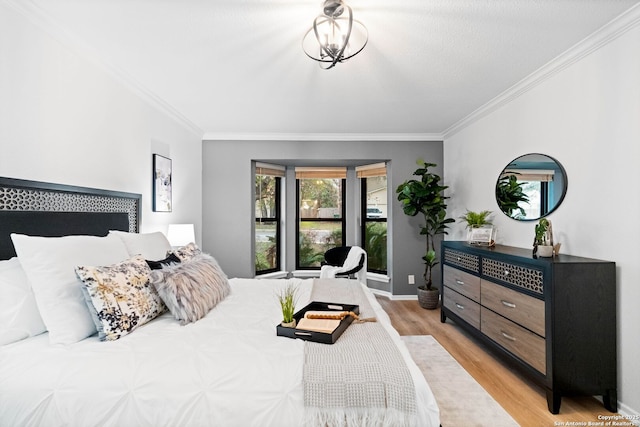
pixel 545 251
pixel 428 299
pixel 291 324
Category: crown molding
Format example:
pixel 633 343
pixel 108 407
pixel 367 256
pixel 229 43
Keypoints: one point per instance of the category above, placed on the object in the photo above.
pixel 606 34
pixel 231 136
pixel 42 20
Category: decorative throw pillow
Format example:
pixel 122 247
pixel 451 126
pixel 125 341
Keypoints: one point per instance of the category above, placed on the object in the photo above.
pixel 157 265
pixel 191 289
pixel 49 263
pixel 149 245
pixel 19 314
pixel 185 253
pixel 120 297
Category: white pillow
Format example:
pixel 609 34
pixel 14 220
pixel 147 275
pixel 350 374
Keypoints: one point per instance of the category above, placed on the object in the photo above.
pixel 152 246
pixel 19 314
pixel 49 263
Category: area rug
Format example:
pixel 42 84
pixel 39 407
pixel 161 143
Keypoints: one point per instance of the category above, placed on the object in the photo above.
pixel 462 401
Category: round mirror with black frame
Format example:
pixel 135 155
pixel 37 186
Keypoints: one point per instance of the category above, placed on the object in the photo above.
pixel 531 187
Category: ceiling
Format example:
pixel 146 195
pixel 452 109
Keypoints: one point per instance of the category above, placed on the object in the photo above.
pixel 236 68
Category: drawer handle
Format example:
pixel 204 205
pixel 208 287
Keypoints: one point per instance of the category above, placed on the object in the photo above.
pixel 460 306
pixel 507 336
pixel 459 282
pixel 508 304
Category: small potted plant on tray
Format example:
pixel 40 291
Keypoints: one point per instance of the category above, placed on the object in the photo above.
pixel 288 298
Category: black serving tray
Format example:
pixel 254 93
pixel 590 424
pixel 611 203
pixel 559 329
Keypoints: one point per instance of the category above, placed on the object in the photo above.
pixel 321 337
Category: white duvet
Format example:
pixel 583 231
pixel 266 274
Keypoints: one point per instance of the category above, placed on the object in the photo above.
pixel 228 369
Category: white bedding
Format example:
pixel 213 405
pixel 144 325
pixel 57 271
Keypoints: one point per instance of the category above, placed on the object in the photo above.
pixel 228 369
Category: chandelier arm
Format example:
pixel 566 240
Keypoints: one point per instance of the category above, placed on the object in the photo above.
pixel 346 39
pixel 315 30
pixel 338 56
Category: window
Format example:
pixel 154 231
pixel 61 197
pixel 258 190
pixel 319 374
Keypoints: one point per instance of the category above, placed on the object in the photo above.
pixel 267 217
pixel 321 213
pixel 537 185
pixel 373 181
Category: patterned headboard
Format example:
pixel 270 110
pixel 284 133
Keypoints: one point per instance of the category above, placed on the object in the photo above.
pixel 46 209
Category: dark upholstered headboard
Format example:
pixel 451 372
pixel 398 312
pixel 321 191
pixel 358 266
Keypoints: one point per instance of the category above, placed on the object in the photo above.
pixel 52 210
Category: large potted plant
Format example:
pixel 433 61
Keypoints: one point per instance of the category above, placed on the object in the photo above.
pixel 424 196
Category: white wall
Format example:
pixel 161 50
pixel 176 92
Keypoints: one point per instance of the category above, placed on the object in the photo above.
pixel 66 120
pixel 587 116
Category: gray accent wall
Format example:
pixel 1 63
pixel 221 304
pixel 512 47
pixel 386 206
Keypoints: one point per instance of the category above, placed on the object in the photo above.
pixel 227 199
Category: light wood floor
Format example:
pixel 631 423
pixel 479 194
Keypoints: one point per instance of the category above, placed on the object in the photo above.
pixel 522 399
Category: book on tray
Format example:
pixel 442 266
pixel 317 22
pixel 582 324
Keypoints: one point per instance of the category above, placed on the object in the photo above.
pixel 313 321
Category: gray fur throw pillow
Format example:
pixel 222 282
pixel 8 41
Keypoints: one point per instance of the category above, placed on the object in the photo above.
pixel 192 288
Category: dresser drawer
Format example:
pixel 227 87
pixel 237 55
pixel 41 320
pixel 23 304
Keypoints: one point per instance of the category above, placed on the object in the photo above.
pixel 516 339
pixel 461 282
pixel 522 309
pixel 467 309
pixel 522 276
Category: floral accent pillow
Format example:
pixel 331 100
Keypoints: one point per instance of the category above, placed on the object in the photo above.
pixel 185 253
pixel 192 288
pixel 120 297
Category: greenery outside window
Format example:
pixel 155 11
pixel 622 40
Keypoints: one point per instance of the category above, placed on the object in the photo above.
pixel 267 219
pixel 373 182
pixel 321 213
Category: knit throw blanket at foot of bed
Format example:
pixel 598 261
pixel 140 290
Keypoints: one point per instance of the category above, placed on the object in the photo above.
pixel 360 380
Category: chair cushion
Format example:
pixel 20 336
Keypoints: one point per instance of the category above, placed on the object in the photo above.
pixel 337 256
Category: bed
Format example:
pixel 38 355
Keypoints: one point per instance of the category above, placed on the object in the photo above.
pixel 227 368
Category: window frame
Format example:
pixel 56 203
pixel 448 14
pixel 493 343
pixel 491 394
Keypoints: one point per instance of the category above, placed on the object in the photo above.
pixel 365 220
pixel 299 220
pixel 277 221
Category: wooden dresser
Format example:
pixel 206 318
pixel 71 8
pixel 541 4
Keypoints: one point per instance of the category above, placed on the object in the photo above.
pixel 554 319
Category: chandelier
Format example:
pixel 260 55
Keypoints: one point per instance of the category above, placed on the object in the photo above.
pixel 335 36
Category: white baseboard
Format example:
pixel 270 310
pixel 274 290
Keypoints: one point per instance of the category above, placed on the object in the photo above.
pixel 391 296
pixel 627 414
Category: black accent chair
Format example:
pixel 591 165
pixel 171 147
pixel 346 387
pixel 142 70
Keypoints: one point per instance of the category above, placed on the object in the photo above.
pixel 337 256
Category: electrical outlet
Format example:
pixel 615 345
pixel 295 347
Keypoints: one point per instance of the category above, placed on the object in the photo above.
pixel 412 279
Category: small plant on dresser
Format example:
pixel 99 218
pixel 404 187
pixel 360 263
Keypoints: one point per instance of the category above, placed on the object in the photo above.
pixel 543 240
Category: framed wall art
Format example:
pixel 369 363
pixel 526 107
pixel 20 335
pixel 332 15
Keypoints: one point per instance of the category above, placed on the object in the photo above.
pixel 162 183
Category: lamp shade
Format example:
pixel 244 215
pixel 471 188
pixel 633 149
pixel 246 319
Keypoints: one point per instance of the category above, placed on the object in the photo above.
pixel 181 234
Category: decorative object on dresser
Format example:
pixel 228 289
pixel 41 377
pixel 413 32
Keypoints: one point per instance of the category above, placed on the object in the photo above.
pixel 480 229
pixel 424 196
pixel 531 186
pixel 554 319
pixel 543 241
